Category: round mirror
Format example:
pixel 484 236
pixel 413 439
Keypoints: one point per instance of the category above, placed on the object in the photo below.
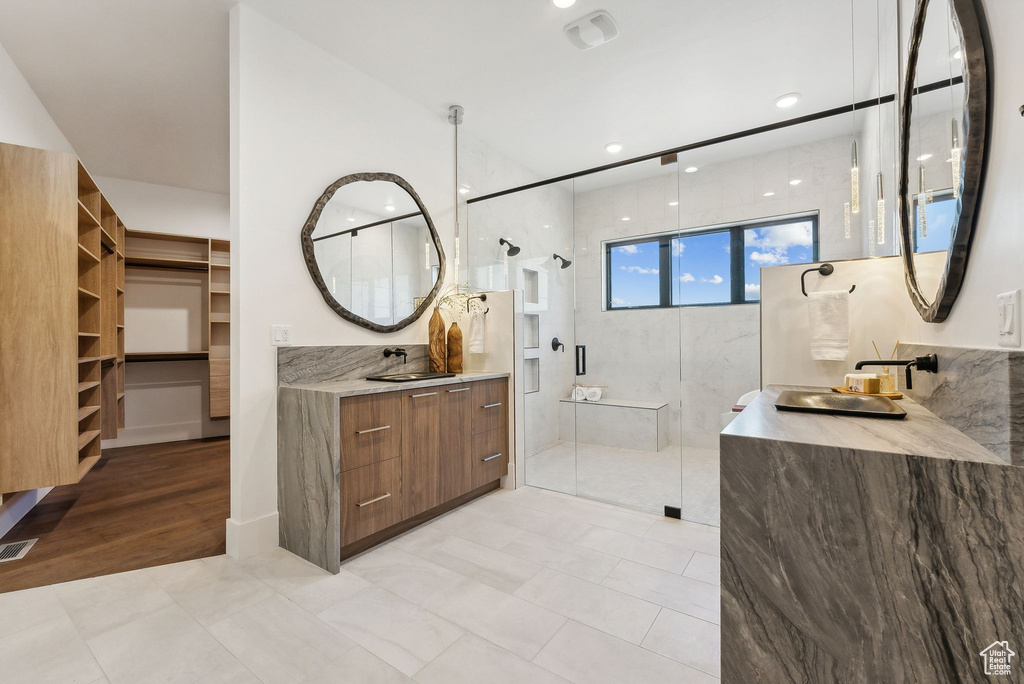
pixel 943 129
pixel 373 251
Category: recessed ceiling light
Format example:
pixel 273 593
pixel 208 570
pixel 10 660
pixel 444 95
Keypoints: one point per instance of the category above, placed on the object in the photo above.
pixel 389 207
pixel 673 204
pixel 769 194
pixel 924 157
pixel 563 4
pixel 624 218
pixel 795 181
pixel 955 53
pixel 787 100
pixel 351 218
pixel 690 169
pixel 463 189
pixel 613 147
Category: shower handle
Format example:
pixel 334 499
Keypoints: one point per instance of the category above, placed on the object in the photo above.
pixel 581 359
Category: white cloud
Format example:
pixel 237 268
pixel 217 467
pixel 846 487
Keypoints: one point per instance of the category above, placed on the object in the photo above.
pixel 617 301
pixel 677 248
pixel 640 269
pixel 714 280
pixel 768 258
pixel 686 278
pixel 628 249
pixel 781 238
pixel 752 289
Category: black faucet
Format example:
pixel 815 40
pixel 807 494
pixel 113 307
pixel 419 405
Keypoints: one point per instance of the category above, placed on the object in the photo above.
pixel 397 351
pixel 928 363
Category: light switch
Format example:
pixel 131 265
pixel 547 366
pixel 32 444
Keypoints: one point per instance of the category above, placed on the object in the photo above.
pixel 280 335
pixel 1009 318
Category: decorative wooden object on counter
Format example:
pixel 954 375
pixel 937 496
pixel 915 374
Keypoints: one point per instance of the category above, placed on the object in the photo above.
pixel 454 349
pixel 354 471
pixel 62 282
pixel 435 334
pixel 187 256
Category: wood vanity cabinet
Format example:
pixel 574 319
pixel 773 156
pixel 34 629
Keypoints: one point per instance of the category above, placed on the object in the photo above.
pixel 411 455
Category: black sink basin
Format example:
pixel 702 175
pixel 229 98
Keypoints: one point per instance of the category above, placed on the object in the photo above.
pixel 410 377
pixel 839 404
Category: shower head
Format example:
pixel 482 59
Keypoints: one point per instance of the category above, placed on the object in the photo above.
pixel 565 262
pixel 512 249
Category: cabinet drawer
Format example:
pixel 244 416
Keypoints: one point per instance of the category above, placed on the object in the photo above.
pixel 220 396
pixel 371 499
pixel 219 367
pixel 371 429
pixel 490 456
pixel 490 405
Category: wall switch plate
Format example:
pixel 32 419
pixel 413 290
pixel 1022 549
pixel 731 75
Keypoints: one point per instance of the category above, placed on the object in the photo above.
pixel 1009 318
pixel 281 335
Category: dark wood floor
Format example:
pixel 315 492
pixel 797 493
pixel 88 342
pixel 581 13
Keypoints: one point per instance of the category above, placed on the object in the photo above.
pixel 138 507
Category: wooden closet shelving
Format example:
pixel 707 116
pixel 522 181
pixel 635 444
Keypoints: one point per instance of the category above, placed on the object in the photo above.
pixel 186 254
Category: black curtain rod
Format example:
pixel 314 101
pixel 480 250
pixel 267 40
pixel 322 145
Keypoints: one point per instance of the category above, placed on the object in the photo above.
pixel 368 225
pixel 816 116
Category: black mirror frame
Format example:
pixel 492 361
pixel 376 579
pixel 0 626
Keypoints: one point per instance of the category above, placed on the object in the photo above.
pixel 309 254
pixel 968 20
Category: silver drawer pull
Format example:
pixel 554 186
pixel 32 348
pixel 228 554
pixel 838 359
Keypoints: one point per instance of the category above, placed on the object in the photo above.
pixel 464 389
pixel 491 405
pixel 425 394
pixel 376 429
pixel 379 498
pixel 490 458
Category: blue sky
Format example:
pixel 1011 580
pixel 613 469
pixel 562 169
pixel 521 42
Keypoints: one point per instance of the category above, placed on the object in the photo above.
pixel 939 216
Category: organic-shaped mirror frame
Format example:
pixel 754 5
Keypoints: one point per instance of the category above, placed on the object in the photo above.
pixel 314 270
pixel 968 22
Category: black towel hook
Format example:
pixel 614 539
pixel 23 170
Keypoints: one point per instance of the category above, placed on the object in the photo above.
pixel 482 298
pixel 824 270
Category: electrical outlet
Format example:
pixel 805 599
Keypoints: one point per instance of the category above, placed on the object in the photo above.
pixel 1009 318
pixel 281 335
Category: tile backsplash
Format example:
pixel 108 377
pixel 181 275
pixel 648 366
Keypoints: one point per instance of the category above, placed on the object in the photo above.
pixel 296 365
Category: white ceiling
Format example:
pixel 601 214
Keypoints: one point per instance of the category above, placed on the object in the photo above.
pixel 141 88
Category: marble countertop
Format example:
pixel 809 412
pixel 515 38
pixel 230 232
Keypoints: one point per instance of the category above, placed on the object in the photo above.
pixel 351 388
pixel 921 433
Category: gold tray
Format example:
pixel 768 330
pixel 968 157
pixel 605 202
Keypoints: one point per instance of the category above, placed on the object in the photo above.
pixel 887 395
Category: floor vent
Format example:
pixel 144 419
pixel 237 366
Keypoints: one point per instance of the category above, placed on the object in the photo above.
pixel 15 550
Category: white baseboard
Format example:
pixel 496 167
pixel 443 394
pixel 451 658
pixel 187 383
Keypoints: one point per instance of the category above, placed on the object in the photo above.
pixel 17 505
pixel 248 538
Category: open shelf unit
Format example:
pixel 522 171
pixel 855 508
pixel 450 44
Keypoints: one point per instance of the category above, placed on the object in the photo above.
pixel 100 321
pixel 187 255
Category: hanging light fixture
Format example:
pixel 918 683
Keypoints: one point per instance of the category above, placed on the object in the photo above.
pixel 854 179
pixel 846 220
pixel 955 159
pixel 880 219
pixel 922 202
pixel 853 206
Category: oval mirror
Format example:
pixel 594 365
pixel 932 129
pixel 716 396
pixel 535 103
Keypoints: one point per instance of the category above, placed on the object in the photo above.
pixel 943 128
pixel 373 252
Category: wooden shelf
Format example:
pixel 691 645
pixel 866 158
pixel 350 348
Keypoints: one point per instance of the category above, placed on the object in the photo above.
pixel 86 437
pixel 107 239
pixel 220 292
pixel 85 216
pixel 87 293
pixel 165 236
pixel 85 334
pixel 82 386
pixel 87 411
pixel 86 464
pixel 163 262
pixel 167 356
pixel 225 321
pixel 85 254
pixel 88 359
pixel 225 267
pixel 120 396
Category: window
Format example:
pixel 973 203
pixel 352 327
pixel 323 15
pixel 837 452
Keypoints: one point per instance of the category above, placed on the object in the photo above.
pixel 704 267
pixel 940 213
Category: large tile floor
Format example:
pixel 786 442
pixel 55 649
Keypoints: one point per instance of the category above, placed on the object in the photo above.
pixel 646 480
pixel 526 586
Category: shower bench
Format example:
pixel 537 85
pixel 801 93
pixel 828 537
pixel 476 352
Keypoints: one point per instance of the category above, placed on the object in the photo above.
pixel 622 423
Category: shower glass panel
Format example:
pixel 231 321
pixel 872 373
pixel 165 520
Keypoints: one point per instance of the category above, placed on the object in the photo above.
pixel 626 432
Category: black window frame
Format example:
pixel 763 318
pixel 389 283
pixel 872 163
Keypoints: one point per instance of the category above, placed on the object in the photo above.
pixel 737 260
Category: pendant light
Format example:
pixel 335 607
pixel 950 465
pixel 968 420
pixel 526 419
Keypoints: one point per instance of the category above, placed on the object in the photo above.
pixel 853 206
pixel 955 158
pixel 880 218
pixel 922 202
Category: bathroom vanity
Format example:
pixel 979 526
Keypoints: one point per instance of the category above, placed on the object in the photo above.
pixel 864 550
pixel 361 461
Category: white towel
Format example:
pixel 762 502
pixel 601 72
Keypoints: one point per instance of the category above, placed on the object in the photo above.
pixel 579 394
pixel 828 314
pixel 476 342
pixel 593 394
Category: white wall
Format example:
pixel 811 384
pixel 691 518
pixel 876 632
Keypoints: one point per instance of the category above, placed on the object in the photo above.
pixel 301 119
pixel 23 119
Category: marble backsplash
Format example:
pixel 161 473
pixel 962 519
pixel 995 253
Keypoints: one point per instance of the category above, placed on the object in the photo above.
pixel 978 391
pixel 296 365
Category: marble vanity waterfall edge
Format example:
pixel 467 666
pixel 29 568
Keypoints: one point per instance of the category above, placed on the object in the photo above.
pixel 322 364
pixel 978 391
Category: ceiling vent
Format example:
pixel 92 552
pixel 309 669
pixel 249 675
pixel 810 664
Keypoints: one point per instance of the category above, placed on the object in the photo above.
pixel 592 30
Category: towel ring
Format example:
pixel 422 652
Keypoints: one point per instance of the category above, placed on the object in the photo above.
pixel 482 298
pixel 823 270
